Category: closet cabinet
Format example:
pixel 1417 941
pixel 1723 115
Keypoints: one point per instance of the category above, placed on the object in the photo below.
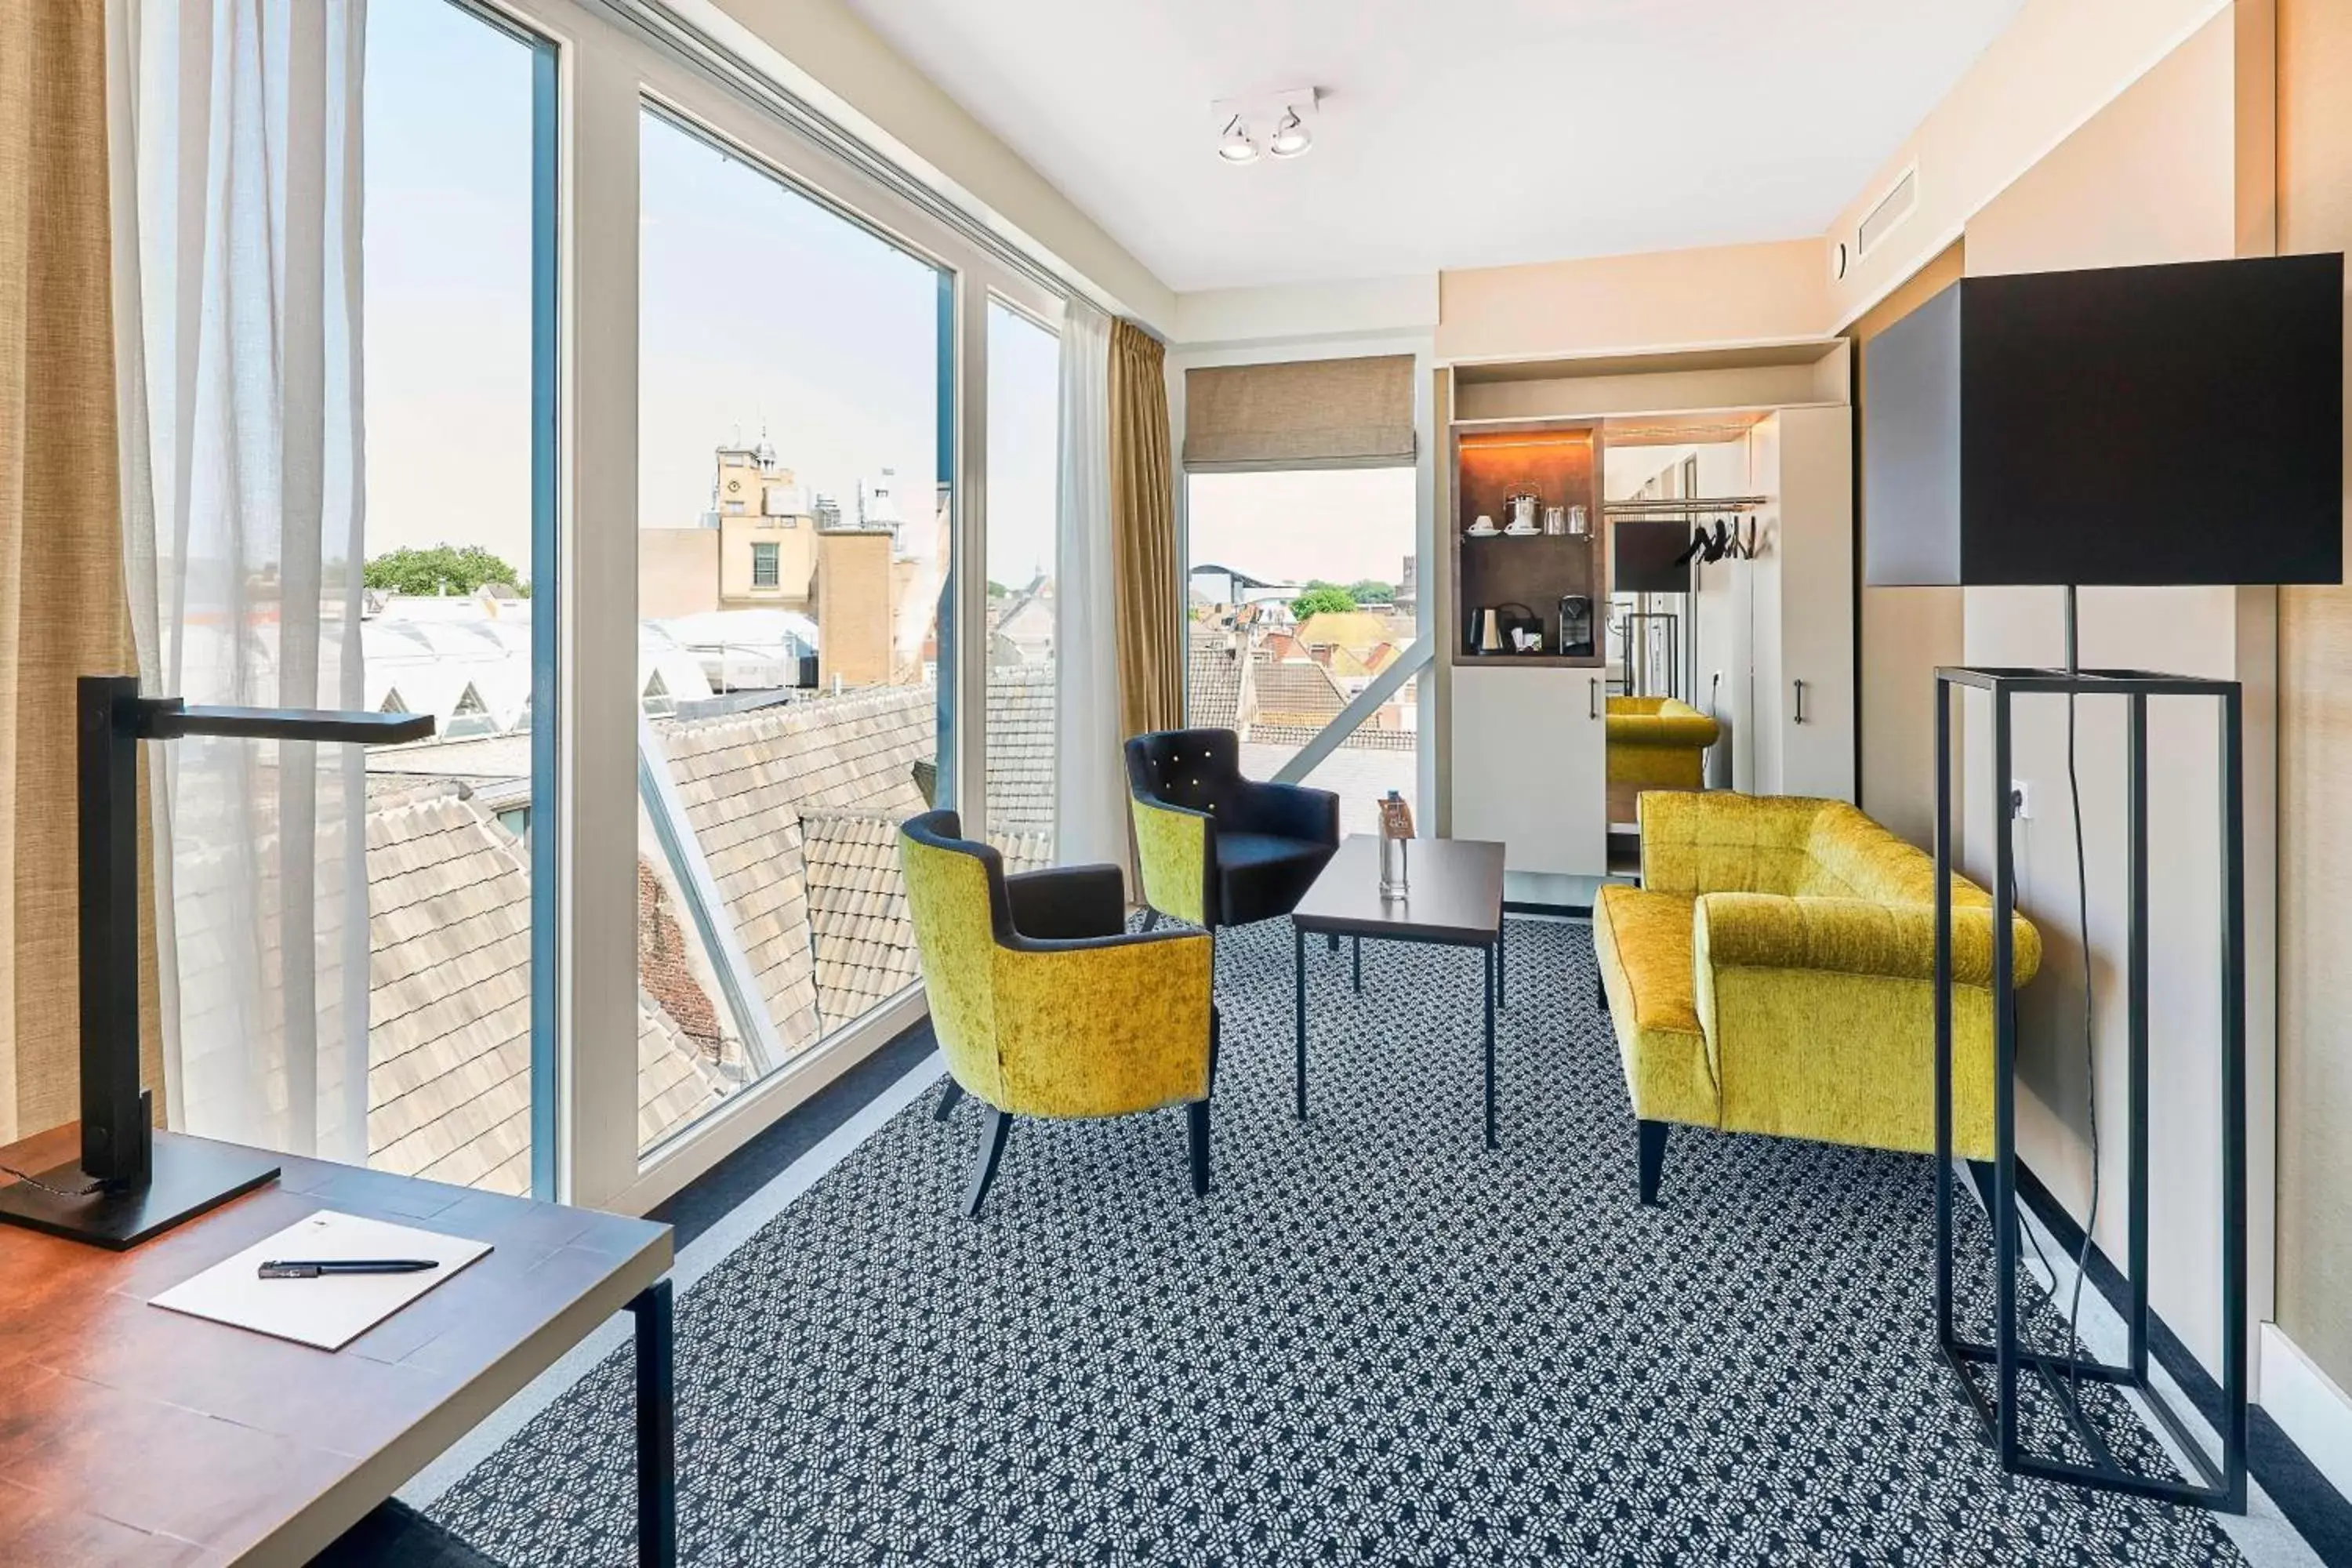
pixel 1780 656
pixel 1531 766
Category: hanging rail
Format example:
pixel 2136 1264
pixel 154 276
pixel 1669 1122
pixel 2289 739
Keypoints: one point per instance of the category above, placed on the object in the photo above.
pixel 1637 505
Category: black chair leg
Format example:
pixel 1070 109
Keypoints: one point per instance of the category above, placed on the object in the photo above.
pixel 1197 1115
pixel 1653 1160
pixel 984 1170
pixel 1335 942
pixel 950 1098
pixel 1150 918
pixel 1600 993
pixel 1216 1038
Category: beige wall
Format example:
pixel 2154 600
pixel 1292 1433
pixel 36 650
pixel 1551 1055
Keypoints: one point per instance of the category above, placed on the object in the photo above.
pixel 1629 304
pixel 2153 177
pixel 795 539
pixel 853 606
pixel 2315 1088
pixel 2055 67
pixel 677 570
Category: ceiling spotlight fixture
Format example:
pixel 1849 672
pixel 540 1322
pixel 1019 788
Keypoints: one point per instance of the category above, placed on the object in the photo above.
pixel 1291 137
pixel 1235 145
pixel 1242 124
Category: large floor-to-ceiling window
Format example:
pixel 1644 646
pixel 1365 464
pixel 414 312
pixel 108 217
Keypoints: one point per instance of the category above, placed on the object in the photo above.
pixel 741 400
pixel 794 537
pixel 1024 389
pixel 457 338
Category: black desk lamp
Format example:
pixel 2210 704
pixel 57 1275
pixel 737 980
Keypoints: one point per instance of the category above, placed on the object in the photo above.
pixel 131 1182
pixel 2138 425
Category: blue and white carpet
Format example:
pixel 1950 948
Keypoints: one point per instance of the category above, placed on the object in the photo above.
pixel 1374 1342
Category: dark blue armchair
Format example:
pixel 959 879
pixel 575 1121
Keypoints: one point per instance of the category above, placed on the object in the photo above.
pixel 1216 848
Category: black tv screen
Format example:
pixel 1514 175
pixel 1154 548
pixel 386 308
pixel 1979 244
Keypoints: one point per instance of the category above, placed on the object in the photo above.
pixel 1641 557
pixel 2124 426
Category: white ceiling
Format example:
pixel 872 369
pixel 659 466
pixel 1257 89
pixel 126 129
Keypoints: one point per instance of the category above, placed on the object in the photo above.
pixel 1452 133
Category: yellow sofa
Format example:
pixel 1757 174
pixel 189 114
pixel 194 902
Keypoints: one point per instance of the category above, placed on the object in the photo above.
pixel 1775 973
pixel 1654 743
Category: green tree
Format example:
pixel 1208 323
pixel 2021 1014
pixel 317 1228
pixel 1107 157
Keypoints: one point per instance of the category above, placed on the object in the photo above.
pixel 1368 592
pixel 443 569
pixel 1322 599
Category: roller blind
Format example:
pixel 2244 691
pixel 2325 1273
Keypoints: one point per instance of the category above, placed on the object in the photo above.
pixel 1306 411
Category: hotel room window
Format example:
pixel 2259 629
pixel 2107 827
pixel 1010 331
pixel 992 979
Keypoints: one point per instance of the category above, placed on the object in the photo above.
pixel 422 1061
pixel 1300 594
pixel 791 365
pixel 1023 427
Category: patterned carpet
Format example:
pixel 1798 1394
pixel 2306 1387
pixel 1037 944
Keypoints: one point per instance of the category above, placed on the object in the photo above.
pixel 1375 1342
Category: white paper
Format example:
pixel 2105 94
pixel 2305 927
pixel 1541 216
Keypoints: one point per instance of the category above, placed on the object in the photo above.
pixel 334 1309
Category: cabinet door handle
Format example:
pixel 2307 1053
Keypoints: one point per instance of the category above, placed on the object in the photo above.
pixel 1800 702
pixel 1593 708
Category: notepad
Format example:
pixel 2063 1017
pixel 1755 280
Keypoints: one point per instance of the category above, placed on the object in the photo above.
pixel 332 1310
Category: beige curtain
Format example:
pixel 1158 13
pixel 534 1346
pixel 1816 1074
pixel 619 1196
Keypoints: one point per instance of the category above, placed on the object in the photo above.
pixel 1143 535
pixel 62 604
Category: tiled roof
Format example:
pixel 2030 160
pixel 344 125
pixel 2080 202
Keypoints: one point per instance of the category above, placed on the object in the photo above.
pixel 746 781
pixel 1214 697
pixel 865 943
pixel 449 1004
pixel 1021 748
pixel 1364 738
pixel 1355 630
pixel 1296 692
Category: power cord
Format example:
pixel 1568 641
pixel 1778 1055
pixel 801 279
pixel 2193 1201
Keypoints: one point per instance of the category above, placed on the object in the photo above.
pixel 51 1188
pixel 2090 1051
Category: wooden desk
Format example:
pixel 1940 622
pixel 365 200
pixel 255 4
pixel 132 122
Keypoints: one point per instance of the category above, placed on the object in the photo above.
pixel 133 1435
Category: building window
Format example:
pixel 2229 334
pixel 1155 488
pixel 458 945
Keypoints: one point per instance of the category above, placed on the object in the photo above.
pixel 764 569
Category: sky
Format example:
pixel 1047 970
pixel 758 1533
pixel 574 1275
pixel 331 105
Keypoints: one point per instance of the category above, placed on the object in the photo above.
pixel 760 312
pixel 1339 524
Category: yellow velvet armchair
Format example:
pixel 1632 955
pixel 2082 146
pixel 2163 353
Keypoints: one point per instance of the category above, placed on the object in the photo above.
pixel 1775 973
pixel 1654 743
pixel 1045 1005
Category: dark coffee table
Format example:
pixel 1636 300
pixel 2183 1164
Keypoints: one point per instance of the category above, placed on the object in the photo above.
pixel 1454 898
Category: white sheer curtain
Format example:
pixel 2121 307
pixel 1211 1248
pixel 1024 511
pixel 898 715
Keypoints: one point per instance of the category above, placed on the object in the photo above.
pixel 1090 794
pixel 235 144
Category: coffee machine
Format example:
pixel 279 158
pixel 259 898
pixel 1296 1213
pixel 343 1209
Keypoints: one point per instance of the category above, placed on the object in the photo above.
pixel 1576 635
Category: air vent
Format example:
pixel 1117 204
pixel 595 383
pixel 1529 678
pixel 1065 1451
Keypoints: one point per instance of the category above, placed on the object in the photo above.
pixel 1892 209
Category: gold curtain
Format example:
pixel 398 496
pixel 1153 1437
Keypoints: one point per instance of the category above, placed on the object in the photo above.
pixel 62 606
pixel 1143 535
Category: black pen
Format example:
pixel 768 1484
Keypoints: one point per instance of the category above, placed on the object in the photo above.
pixel 311 1269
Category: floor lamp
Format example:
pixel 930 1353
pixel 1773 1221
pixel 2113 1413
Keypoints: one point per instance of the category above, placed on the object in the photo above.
pixel 2127 427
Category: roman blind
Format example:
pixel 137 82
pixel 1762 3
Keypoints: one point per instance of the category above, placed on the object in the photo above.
pixel 1305 411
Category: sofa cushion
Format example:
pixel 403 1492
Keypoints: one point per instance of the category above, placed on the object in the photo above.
pixel 1718 842
pixel 1643 940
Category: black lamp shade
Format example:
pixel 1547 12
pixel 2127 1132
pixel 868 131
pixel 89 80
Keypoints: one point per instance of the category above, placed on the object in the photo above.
pixel 1641 557
pixel 2130 425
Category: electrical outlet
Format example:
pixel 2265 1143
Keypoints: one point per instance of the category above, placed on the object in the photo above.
pixel 2020 800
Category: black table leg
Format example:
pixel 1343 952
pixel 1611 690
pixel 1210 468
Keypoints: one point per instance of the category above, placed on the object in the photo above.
pixel 656 1430
pixel 1494 967
pixel 1501 928
pixel 1359 956
pixel 1298 1017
